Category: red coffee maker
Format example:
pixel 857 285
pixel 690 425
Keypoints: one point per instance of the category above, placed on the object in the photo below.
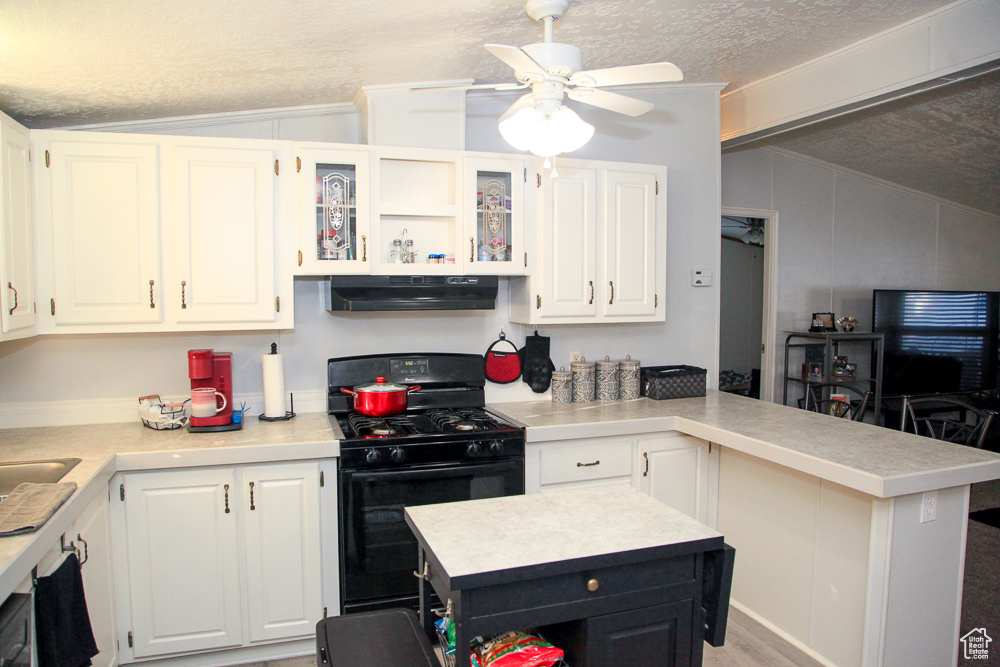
pixel 208 368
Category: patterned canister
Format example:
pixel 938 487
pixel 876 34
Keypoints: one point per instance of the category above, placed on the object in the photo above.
pixel 583 380
pixel 562 386
pixel 607 379
pixel 628 378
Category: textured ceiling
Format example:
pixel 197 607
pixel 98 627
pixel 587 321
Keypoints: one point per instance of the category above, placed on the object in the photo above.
pixel 71 62
pixel 944 142
pixel 75 62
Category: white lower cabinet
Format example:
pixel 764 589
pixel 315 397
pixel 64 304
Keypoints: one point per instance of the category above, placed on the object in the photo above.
pixel 680 470
pixel 213 558
pixel 91 533
pixel 282 532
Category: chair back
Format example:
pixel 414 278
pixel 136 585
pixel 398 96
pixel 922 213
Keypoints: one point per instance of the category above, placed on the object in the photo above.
pixel 817 400
pixel 934 417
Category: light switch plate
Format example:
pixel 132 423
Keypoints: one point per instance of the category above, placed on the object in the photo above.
pixel 701 277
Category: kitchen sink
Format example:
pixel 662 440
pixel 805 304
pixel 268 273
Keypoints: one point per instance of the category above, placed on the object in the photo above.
pixel 35 472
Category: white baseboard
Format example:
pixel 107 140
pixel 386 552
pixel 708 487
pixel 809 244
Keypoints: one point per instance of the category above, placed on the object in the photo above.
pixel 117 410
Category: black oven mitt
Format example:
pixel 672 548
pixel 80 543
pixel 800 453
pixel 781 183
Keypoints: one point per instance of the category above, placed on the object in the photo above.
pixel 536 367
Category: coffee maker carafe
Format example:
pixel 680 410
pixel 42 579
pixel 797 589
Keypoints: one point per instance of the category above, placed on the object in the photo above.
pixel 211 369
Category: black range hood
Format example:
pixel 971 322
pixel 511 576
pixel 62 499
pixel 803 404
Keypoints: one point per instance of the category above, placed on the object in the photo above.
pixel 378 293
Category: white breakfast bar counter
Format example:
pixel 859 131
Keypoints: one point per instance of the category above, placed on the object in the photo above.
pixel 824 513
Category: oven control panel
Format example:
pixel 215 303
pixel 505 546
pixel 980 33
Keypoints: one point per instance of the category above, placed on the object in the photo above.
pixel 411 367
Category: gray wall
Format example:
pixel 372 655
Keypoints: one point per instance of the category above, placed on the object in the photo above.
pixel 842 234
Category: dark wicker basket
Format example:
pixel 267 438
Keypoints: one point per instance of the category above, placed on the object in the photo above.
pixel 663 382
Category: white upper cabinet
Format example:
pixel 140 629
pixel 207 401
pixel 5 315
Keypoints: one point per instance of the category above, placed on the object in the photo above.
pixel 568 244
pixel 629 244
pixel 334 214
pixel 494 215
pixel 149 233
pixel 224 233
pixel 601 246
pixel 99 194
pixel 17 296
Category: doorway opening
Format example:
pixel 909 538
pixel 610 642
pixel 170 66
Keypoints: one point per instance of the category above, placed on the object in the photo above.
pixel 747 302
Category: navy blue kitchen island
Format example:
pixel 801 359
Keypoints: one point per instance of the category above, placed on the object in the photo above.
pixel 611 575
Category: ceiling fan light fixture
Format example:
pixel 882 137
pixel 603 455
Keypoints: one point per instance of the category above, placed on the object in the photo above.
pixel 546 135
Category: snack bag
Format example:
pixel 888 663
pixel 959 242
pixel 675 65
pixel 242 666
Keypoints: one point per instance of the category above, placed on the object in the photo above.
pixel 517 648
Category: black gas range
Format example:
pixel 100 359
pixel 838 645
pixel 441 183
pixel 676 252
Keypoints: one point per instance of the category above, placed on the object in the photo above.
pixel 446 447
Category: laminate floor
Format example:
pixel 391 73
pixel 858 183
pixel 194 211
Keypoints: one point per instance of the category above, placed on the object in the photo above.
pixel 748 644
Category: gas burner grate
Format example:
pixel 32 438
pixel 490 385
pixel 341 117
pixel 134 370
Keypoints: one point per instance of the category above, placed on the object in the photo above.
pixel 452 420
pixel 364 426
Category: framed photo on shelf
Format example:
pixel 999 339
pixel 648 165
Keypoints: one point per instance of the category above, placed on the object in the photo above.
pixel 823 322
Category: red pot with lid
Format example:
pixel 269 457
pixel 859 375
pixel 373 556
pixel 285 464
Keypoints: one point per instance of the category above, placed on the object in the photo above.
pixel 381 398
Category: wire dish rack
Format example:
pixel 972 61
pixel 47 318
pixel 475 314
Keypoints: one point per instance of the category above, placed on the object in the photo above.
pixel 160 416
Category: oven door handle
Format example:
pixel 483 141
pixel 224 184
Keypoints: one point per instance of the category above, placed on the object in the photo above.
pixel 445 471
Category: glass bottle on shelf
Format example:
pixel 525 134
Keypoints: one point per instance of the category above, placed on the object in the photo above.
pixel 336 218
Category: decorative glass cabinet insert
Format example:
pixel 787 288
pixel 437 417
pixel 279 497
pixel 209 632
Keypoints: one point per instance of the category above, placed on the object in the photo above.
pixel 493 217
pixel 336 212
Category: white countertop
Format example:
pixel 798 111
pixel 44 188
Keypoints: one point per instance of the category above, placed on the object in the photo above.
pixel 877 461
pixel 522 531
pixel 105 449
pixel 874 460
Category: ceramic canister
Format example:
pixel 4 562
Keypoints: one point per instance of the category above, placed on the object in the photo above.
pixel 607 379
pixel 562 386
pixel 583 380
pixel 628 378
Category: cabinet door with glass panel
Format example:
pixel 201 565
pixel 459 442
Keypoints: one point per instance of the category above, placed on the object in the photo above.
pixel 334 194
pixel 494 215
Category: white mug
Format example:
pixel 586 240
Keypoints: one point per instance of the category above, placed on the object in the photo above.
pixel 204 404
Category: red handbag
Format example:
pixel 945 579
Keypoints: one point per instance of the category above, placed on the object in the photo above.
pixel 502 367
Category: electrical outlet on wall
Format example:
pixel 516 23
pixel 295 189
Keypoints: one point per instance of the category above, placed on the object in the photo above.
pixel 928 506
pixel 575 355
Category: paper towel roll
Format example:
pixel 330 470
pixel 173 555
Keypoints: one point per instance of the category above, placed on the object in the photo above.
pixel 274 385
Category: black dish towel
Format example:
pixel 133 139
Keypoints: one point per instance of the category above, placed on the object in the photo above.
pixel 62 623
pixel 536 367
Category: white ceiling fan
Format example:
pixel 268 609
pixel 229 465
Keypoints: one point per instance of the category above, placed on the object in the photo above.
pixel 538 121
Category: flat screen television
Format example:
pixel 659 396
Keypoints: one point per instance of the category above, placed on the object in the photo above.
pixel 937 341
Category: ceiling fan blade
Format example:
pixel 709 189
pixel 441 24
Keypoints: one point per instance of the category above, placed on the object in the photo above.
pixel 516 58
pixel 628 74
pixel 608 100
pixel 477 86
pixel 523 102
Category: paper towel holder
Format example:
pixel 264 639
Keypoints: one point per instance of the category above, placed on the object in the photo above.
pixel 290 414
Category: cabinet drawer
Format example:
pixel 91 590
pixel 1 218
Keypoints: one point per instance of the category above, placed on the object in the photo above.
pixel 585 462
pixel 598 590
